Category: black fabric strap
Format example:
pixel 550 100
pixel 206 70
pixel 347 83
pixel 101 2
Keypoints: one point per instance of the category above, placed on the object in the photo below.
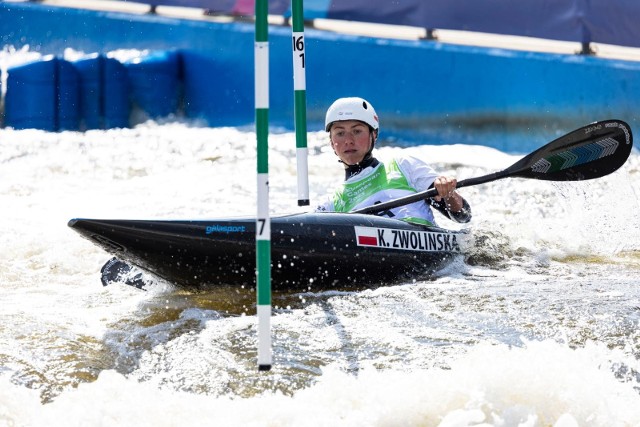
pixel 352 170
pixel 462 216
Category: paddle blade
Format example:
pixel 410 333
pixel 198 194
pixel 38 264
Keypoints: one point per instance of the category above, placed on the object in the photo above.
pixel 116 271
pixel 590 152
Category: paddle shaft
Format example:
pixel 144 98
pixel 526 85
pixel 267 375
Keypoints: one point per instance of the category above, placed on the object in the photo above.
pixel 426 194
pixel 590 152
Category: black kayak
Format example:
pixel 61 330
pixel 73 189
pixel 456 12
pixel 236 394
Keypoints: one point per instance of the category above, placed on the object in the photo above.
pixel 313 251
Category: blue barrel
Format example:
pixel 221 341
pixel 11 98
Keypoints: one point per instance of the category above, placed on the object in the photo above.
pixel 68 96
pixel 155 83
pixel 30 100
pixel 115 100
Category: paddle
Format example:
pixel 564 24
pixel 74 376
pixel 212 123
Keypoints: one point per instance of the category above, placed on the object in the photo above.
pixel 590 152
pixel 117 271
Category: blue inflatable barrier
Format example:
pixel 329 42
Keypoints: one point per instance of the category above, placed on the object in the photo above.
pixel 67 96
pixel 30 98
pixel 154 81
pixel 53 94
pixel 42 95
pixel 90 72
pixel 103 92
pixel 93 92
pixel 115 101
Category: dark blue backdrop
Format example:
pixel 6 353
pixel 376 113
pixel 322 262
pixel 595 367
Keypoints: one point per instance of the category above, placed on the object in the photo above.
pixel 584 21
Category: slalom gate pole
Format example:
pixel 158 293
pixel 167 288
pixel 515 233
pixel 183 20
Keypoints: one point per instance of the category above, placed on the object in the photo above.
pixel 263 221
pixel 300 101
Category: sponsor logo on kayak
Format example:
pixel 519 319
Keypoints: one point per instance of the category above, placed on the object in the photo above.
pixel 411 240
pixel 225 229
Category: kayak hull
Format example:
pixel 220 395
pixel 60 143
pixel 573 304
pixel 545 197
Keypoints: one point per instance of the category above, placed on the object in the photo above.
pixel 308 251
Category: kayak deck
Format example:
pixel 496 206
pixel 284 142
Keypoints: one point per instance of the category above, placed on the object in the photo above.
pixel 308 251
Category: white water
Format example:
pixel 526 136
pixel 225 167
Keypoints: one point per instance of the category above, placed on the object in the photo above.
pixel 540 327
pixel 544 333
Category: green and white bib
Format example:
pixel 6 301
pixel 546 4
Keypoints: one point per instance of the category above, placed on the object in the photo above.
pixel 386 181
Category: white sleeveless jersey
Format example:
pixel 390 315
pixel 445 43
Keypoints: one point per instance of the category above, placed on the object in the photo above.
pixel 386 181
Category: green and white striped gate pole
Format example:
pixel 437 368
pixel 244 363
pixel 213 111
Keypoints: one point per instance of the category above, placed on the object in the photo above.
pixel 263 221
pixel 300 102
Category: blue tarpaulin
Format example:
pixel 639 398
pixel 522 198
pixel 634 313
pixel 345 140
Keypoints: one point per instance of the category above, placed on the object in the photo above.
pixel 584 21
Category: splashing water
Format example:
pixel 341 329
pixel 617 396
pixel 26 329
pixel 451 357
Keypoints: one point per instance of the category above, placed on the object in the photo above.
pixel 538 325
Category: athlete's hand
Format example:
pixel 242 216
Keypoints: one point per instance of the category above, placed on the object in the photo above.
pixel 445 185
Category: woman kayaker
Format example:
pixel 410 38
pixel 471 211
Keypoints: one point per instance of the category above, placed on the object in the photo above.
pixel 353 128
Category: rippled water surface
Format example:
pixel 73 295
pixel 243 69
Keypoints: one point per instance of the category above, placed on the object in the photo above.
pixel 538 325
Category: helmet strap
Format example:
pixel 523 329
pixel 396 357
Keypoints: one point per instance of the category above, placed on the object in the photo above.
pixel 374 138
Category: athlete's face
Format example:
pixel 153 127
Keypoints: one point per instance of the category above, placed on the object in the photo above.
pixel 350 140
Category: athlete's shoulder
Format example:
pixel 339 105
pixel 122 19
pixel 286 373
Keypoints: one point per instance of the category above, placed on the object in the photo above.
pixel 406 158
pixel 408 163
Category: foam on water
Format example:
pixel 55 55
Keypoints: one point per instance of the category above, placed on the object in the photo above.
pixel 539 326
pixel 61 329
pixel 539 384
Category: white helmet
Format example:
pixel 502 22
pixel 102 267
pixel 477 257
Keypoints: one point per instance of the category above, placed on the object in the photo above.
pixel 351 109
